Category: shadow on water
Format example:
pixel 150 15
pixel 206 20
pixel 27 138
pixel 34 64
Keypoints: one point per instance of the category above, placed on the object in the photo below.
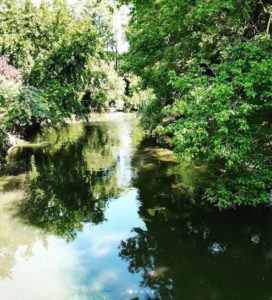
pixel 190 251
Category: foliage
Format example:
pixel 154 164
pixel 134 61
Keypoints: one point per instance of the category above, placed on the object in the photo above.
pixel 8 90
pixel 225 121
pixel 101 14
pixel 55 53
pixel 5 144
pixel 63 82
pixel 21 105
pixel 106 88
pixel 210 74
pixel 136 97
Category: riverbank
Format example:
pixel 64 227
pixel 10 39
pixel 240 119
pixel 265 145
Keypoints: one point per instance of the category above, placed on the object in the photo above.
pixel 10 142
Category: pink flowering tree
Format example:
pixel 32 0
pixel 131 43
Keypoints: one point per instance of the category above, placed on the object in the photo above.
pixel 7 70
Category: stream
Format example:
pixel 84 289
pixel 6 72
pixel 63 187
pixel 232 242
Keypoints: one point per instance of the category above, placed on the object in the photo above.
pixel 100 212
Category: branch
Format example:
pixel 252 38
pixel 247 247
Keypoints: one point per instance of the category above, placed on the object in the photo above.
pixel 267 11
pixel 264 8
pixel 269 23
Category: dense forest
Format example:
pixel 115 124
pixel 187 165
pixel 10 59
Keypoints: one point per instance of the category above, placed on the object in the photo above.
pixel 209 64
pixel 198 72
pixel 58 60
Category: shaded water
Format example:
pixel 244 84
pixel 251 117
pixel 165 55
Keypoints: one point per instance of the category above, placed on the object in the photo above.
pixel 101 214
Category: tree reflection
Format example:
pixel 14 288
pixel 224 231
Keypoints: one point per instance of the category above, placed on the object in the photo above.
pixel 191 252
pixel 16 239
pixel 68 186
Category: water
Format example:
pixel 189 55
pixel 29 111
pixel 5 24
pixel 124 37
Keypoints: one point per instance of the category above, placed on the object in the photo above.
pixel 100 213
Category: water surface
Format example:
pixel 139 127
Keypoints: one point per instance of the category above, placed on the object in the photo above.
pixel 101 213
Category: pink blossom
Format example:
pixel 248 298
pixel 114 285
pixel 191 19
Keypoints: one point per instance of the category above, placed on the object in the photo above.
pixel 8 70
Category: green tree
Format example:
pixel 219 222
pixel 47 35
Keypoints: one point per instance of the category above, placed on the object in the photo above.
pixel 58 49
pixel 208 63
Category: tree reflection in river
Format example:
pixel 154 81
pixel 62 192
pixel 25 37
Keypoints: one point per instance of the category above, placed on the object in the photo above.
pixel 16 239
pixel 186 253
pixel 184 250
pixel 71 185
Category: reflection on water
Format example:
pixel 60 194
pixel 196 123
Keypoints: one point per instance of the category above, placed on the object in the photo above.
pixel 72 185
pixel 15 238
pixel 99 213
pixel 191 252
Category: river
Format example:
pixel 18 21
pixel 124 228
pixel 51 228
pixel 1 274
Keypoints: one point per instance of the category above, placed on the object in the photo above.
pixel 99 212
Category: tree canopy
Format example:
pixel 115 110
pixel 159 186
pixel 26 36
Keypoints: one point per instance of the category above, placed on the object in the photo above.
pixel 55 60
pixel 209 64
